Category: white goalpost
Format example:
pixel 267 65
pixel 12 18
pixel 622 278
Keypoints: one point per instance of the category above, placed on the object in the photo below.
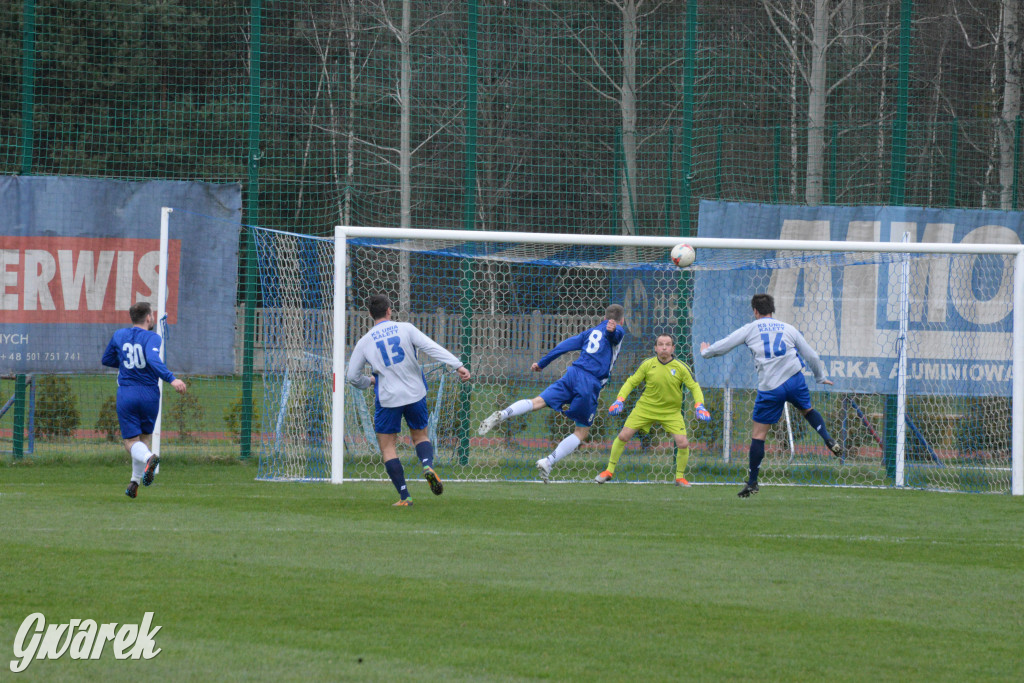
pixel 161 310
pixel 925 402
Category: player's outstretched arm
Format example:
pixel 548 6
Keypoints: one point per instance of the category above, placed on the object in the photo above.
pixel 633 381
pixel 434 350
pixel 723 346
pixel 571 344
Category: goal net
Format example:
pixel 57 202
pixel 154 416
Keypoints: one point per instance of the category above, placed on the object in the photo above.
pixel 915 402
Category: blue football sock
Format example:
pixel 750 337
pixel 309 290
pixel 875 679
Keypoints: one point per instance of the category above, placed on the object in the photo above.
pixel 818 423
pixel 397 474
pixel 756 456
pixel 425 452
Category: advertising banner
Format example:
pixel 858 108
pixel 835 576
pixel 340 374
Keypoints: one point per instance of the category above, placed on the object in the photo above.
pixel 960 307
pixel 77 253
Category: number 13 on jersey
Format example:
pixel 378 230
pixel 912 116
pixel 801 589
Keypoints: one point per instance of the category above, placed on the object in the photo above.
pixel 397 355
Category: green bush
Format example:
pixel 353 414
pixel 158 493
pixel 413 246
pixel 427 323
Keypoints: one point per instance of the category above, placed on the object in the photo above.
pixel 107 421
pixel 57 415
pixel 233 419
pixel 184 413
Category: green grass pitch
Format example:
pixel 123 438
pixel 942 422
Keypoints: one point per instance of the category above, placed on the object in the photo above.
pixel 277 581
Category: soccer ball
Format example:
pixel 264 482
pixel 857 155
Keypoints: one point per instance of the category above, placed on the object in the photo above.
pixel 683 255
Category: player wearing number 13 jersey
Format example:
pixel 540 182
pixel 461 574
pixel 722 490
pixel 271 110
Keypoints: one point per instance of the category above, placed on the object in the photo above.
pixel 575 395
pixel 400 390
pixel 135 352
pixel 779 352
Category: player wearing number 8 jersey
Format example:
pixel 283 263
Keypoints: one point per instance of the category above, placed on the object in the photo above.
pixel 135 352
pixel 779 352
pixel 400 389
pixel 575 395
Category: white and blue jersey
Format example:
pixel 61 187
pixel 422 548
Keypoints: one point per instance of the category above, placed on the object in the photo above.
pixel 780 353
pixel 135 352
pixel 576 394
pixel 390 348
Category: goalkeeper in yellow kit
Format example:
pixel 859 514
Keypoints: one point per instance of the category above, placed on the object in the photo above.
pixel 665 375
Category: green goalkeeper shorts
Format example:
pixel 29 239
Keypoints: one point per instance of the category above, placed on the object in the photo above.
pixel 642 420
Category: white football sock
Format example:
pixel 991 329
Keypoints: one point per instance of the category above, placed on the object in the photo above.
pixel 564 448
pixel 140 456
pixel 141 453
pixel 520 407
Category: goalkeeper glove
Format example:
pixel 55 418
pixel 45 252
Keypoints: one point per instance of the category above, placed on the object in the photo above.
pixel 702 413
pixel 616 408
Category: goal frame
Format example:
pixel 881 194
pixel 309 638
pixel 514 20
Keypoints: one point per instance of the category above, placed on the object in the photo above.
pixel 343 233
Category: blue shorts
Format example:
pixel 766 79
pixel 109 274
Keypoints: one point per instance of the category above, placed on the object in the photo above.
pixel 389 420
pixel 575 395
pixel 769 404
pixel 137 408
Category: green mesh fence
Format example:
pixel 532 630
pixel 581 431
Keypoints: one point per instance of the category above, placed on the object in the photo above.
pixel 587 117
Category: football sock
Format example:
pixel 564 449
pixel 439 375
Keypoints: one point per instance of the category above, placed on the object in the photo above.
pixel 140 456
pixel 141 453
pixel 756 456
pixel 397 474
pixel 564 448
pixel 682 458
pixel 520 407
pixel 425 452
pixel 618 448
pixel 818 423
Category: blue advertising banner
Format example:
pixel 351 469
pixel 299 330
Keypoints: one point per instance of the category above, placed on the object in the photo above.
pixel 960 311
pixel 77 253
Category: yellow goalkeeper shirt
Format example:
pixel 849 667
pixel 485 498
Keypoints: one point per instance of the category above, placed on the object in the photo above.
pixel 663 395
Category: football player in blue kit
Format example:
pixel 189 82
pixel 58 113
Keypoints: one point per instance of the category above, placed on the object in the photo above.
pixel 135 352
pixel 575 395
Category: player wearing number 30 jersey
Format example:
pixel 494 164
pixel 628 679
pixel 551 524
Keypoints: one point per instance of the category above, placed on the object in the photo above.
pixel 779 352
pixel 135 352
pixel 400 390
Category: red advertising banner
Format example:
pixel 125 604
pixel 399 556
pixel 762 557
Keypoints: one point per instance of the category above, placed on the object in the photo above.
pixel 82 279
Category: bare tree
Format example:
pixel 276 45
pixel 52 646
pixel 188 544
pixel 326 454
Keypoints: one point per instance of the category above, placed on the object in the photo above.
pixel 1001 41
pixel 622 90
pixel 1011 51
pixel 809 30
pixel 403 32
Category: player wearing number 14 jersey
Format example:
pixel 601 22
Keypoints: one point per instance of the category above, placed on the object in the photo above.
pixel 779 352
pixel 135 352
pixel 575 395
pixel 399 388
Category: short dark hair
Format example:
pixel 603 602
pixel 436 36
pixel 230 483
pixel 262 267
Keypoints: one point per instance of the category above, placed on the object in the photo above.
pixel 615 312
pixel 139 311
pixel 378 305
pixel 665 334
pixel 763 304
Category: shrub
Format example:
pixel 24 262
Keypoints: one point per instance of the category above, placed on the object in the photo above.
pixel 184 413
pixel 107 421
pixel 233 419
pixel 57 415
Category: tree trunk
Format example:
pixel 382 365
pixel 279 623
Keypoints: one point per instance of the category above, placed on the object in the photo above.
pixel 1011 100
pixel 350 151
pixel 627 107
pixel 405 155
pixel 816 95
